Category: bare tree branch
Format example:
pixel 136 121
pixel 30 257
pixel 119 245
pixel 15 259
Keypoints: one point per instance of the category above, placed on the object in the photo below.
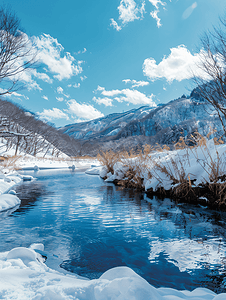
pixel 17 52
pixel 211 75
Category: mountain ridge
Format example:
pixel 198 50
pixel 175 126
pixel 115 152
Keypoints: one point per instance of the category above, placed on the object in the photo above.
pixel 104 124
pixel 164 124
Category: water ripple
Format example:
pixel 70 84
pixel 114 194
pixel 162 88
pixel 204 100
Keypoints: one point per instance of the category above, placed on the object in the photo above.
pixel 93 226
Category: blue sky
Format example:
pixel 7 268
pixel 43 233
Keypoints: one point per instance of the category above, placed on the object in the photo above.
pixel 106 56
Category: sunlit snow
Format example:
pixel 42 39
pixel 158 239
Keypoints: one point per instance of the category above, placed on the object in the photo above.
pixel 24 275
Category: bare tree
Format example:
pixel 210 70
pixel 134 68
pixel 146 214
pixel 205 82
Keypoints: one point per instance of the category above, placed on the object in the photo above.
pixel 17 52
pixel 26 133
pixel 211 73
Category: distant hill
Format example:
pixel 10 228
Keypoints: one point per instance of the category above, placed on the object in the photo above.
pixel 105 127
pixel 164 124
pixel 23 131
pixel 146 125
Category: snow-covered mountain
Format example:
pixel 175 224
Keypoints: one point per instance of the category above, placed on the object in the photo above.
pixel 109 125
pixel 180 117
pixel 163 124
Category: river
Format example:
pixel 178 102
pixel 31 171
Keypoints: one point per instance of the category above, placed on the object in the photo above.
pixel 93 226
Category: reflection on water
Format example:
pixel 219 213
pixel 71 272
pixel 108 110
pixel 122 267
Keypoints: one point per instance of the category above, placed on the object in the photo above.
pixel 93 226
pixel 29 193
pixel 6 213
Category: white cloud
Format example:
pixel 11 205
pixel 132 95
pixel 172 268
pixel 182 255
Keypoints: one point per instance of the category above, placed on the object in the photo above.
pixel 100 88
pixel 32 85
pixel 26 77
pixel 126 95
pixel 155 16
pixel 2 91
pixel 15 94
pixel 45 97
pixel 76 85
pixel 106 101
pixel 17 67
pixel 128 12
pixel 60 99
pixel 83 111
pixel 50 114
pixel 156 3
pixel 126 80
pixel 115 25
pixel 42 76
pixel 135 97
pixel 111 93
pixel 179 65
pixel 19 95
pixel 83 78
pixel 136 83
pixel 51 53
pixel 189 11
pixel 83 51
pixel 155 12
pixel 60 90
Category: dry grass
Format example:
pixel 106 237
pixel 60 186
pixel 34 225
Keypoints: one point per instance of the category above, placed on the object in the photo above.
pixel 175 170
pixel 133 178
pixel 109 159
pixel 9 162
pixel 181 144
pixel 149 164
pixel 184 190
pixel 214 166
pixel 135 167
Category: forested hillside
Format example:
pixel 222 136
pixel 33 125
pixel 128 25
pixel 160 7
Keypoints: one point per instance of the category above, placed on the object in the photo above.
pixel 24 132
pixel 164 124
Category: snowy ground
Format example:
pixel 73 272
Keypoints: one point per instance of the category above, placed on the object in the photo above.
pixel 162 168
pixel 9 177
pixel 24 274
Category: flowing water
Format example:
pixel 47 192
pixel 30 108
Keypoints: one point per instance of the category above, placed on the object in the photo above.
pixel 93 226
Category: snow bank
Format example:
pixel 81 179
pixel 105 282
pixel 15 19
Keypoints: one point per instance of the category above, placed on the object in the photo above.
pixel 10 178
pixel 24 275
pixel 32 163
pixel 7 181
pixel 93 171
pixel 194 164
pixel 8 201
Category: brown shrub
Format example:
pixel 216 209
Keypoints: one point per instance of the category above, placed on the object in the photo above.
pixel 109 159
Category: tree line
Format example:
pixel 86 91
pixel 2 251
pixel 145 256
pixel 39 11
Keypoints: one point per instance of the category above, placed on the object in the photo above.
pixel 23 131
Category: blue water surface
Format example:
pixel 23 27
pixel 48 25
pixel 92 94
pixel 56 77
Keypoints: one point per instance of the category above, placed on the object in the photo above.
pixel 93 226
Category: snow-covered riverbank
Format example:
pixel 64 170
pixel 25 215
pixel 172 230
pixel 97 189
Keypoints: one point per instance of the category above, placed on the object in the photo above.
pixel 9 177
pixel 189 174
pixel 8 180
pixel 24 275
